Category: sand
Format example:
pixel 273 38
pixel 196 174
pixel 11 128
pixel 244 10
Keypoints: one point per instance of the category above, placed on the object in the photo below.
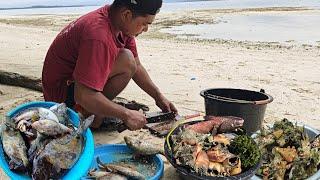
pixel 181 67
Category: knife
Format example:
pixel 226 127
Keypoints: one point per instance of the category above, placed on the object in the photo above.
pixel 153 117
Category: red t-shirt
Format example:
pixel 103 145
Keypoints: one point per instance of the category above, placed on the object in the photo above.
pixel 83 51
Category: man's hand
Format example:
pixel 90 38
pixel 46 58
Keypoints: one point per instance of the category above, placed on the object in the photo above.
pixel 135 120
pixel 165 105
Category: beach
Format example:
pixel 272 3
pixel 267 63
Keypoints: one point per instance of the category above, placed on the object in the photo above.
pixel 183 66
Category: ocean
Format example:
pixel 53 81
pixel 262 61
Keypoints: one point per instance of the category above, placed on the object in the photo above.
pixel 299 27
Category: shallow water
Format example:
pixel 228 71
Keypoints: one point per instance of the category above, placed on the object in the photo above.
pixel 301 28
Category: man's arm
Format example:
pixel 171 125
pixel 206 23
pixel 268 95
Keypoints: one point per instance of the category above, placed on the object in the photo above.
pixel 143 80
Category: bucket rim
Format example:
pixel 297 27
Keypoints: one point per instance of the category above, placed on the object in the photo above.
pixel 260 102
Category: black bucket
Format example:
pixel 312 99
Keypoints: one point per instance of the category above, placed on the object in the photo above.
pixel 249 105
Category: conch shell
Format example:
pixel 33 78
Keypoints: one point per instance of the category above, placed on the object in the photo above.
pixel 233 164
pixel 218 167
pixel 202 162
pixel 222 139
pixel 217 155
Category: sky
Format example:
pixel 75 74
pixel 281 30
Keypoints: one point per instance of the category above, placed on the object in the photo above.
pixel 28 3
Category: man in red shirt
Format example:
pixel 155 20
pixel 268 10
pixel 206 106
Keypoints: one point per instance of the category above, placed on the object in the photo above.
pixel 93 59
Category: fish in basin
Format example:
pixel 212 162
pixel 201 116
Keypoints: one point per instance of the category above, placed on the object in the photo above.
pixel 14 146
pixel 60 154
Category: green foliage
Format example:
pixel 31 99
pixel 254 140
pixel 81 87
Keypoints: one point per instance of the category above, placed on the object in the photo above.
pixel 247 149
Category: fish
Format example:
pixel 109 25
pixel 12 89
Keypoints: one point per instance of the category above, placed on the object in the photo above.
pixel 217 124
pixel 50 127
pixel 122 169
pixel 163 128
pixel 37 145
pixel 34 114
pixel 14 147
pixel 142 146
pixel 60 154
pixel 28 114
pixel 60 110
pixel 45 113
pixel 104 175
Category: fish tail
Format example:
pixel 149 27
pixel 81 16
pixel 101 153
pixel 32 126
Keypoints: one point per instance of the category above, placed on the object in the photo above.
pixel 84 123
pixel 9 122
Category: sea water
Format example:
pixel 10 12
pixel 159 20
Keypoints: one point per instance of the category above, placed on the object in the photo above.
pixel 292 28
pixel 301 27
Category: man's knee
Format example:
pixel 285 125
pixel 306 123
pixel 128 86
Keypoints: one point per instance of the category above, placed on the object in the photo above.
pixel 127 60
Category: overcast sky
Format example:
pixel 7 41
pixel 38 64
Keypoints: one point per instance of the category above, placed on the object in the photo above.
pixel 25 3
pixel 28 3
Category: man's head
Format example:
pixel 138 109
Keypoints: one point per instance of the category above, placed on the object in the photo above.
pixel 136 15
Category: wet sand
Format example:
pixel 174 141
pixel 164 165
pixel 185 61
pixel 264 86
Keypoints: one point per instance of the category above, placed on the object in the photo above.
pixel 181 67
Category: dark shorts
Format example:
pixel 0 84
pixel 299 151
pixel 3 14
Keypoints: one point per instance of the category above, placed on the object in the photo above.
pixel 70 96
pixel 70 102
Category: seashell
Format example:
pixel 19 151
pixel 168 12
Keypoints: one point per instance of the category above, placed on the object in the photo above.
pixel 220 138
pixel 218 167
pixel 233 164
pixel 231 161
pixel 202 162
pixel 237 169
pixel 217 155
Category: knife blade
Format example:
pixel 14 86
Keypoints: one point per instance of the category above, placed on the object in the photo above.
pixel 152 117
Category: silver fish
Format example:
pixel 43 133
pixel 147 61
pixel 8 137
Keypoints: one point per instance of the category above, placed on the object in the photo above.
pixel 60 154
pixel 104 175
pixel 143 146
pixel 60 110
pixel 50 127
pixel 122 169
pixel 14 147
pixel 28 114
pixel 45 113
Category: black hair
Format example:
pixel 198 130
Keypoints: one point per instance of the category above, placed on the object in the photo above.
pixel 139 7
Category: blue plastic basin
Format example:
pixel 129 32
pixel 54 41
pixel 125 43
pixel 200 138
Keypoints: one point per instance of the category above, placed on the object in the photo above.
pixel 80 168
pixel 118 152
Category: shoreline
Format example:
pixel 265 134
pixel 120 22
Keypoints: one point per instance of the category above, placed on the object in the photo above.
pixel 169 20
pixel 34 47
pixel 181 68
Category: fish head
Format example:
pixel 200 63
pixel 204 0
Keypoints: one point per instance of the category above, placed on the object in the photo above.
pixel 230 123
pixel 238 123
pixel 130 140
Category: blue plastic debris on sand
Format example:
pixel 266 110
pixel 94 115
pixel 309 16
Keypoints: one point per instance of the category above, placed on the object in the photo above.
pixel 82 165
pixel 108 153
